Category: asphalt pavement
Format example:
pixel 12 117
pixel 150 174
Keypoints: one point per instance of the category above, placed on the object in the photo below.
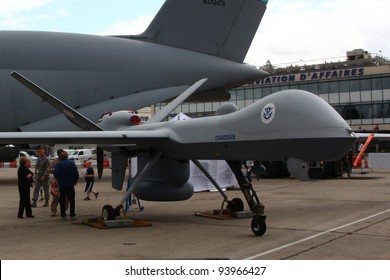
pixel 334 219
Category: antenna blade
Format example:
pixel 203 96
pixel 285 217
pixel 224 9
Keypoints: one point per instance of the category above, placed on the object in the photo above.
pixel 176 102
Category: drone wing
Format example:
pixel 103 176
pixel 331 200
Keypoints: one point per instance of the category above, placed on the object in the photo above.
pixel 124 138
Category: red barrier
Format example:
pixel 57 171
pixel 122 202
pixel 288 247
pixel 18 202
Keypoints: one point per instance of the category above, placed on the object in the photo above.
pixel 361 153
pixel 359 163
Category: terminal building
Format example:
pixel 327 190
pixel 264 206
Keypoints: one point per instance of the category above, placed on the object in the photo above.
pixel 357 86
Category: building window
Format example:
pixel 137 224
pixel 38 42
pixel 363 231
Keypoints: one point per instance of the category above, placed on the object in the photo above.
pixel 366 96
pixel 386 82
pixel 257 93
pixel 354 85
pixel 313 87
pixel 376 84
pixel 303 87
pixel 334 98
pixel 386 110
pixel 323 88
pixel 240 94
pixel 266 91
pixel 365 84
pixel 344 86
pixel 351 112
pixel 200 107
pixel 284 87
pixel 233 95
pixel 334 87
pixel 366 110
pixel 377 95
pixel 275 89
pixel 377 110
pixel 344 97
pixel 355 96
pixel 248 93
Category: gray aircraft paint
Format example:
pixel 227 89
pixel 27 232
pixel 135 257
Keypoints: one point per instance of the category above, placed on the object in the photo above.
pixel 96 74
pixel 291 125
pixel 312 133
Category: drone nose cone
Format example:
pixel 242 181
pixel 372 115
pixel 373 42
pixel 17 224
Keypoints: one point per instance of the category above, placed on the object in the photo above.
pixel 319 131
pixel 332 136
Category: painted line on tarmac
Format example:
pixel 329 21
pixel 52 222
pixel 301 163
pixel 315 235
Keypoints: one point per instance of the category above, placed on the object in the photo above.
pixel 315 236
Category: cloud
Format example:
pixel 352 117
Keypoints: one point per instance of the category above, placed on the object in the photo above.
pixel 307 30
pixel 20 14
pixel 61 12
pixel 8 7
pixel 129 27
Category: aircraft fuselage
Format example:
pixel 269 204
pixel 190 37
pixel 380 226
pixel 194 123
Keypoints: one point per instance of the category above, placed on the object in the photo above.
pixel 83 69
pixel 286 124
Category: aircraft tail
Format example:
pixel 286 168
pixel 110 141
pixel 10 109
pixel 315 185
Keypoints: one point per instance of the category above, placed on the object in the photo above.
pixel 223 28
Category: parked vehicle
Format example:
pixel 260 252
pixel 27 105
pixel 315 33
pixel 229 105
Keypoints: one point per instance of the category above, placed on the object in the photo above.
pixel 80 155
pixel 27 155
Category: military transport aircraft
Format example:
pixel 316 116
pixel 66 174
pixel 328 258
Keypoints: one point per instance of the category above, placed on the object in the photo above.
pixel 291 125
pixel 186 41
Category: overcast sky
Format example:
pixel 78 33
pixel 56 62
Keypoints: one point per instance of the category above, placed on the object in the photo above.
pixel 291 30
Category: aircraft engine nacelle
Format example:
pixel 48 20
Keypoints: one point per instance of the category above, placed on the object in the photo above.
pixel 9 153
pixel 119 120
pixel 301 169
pixel 166 181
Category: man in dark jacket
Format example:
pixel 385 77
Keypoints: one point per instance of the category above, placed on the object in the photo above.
pixel 67 176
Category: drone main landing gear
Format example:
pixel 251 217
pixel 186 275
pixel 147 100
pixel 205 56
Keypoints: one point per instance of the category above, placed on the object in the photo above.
pixel 109 212
pixel 258 224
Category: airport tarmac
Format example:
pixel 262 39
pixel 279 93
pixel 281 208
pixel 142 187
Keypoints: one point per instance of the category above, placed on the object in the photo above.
pixel 335 219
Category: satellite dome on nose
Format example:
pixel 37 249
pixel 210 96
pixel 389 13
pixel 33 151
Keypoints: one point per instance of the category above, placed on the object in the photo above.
pixel 226 108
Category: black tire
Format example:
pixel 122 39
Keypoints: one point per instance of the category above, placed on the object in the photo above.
pixel 258 225
pixel 236 205
pixel 117 211
pixel 108 213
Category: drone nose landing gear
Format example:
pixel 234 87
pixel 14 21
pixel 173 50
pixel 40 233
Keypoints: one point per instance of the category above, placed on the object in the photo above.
pixel 109 213
pixel 258 224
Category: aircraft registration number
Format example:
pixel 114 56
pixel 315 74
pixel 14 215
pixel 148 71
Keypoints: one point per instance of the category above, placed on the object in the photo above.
pixel 214 2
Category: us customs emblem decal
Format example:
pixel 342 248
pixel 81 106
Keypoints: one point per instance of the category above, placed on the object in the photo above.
pixel 268 113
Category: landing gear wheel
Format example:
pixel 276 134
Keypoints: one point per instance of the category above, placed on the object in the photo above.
pixel 236 205
pixel 258 225
pixel 108 213
pixel 117 211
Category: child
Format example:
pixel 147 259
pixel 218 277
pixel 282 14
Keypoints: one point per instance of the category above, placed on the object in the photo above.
pixel 89 179
pixel 54 189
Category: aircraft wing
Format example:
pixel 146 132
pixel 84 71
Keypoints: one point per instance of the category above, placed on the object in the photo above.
pixel 85 137
pixel 382 136
pixel 74 116
pixel 83 117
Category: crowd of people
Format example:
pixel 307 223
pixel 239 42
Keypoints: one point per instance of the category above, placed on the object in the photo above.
pixel 57 179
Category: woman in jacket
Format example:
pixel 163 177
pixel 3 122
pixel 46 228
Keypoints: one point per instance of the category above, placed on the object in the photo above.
pixel 25 179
